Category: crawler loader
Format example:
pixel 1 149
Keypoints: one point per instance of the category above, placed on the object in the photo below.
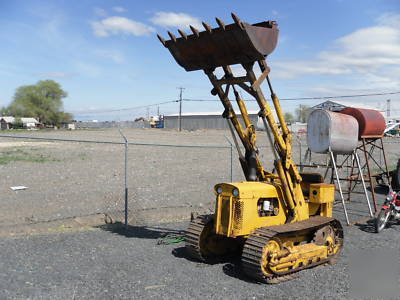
pixel 280 222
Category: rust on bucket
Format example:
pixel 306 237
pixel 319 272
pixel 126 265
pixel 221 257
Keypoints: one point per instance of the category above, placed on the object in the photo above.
pixel 224 45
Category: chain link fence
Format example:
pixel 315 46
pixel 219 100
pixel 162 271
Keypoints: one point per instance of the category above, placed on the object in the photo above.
pixel 66 174
pixel 155 176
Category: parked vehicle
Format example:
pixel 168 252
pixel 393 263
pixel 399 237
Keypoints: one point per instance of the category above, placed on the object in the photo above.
pixel 390 211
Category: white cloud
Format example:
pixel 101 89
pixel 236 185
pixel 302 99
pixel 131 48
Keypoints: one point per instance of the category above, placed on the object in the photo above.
pixel 171 19
pixel 370 54
pixel 54 75
pixel 119 9
pixel 120 25
pixel 390 19
pixel 101 12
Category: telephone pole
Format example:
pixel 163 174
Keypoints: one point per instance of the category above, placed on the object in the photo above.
pixel 388 108
pixel 180 108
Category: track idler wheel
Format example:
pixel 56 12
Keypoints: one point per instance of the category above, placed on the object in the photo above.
pixel 203 244
pixel 332 238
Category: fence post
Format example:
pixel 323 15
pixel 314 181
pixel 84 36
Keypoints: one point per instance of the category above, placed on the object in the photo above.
pixel 299 140
pixel 126 178
pixel 231 156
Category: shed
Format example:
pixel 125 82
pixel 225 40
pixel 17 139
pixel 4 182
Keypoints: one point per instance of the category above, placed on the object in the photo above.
pixel 8 122
pixel 202 120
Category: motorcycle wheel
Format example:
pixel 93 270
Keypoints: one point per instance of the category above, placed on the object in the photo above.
pixel 381 220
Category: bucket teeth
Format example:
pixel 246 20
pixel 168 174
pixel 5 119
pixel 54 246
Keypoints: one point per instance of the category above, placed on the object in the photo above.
pixel 172 36
pixel 183 34
pixel 237 20
pixel 222 45
pixel 207 27
pixel 194 30
pixel 161 39
pixel 220 23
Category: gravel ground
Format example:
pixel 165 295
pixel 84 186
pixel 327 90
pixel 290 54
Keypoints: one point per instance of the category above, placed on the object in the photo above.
pixel 101 264
pixel 73 179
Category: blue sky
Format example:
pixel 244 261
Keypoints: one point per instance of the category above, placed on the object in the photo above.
pixel 106 55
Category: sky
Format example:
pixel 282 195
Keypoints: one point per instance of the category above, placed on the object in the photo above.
pixel 106 54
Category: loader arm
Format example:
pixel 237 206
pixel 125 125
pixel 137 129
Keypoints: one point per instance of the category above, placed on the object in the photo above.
pixel 247 45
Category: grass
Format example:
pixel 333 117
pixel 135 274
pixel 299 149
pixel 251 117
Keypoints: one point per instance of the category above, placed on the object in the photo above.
pixel 19 154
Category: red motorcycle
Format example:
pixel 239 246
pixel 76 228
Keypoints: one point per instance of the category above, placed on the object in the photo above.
pixel 390 211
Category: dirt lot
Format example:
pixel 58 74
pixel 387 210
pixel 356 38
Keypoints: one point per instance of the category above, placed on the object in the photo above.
pixel 69 258
pixel 67 179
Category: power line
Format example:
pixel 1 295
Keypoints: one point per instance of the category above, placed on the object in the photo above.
pixel 80 113
pixel 123 109
pixel 306 98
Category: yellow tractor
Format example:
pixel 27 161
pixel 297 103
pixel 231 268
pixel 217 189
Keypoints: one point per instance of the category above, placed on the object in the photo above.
pixel 280 222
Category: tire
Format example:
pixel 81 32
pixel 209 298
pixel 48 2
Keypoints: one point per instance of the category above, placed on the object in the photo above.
pixel 396 177
pixel 381 220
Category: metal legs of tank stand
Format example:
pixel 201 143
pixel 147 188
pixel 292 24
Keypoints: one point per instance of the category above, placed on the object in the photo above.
pixel 356 158
pixel 363 182
pixel 333 160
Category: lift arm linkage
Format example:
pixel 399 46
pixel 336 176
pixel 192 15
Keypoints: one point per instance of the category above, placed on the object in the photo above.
pixel 281 139
pixel 244 44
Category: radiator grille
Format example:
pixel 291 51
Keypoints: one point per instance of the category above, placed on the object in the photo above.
pixel 238 215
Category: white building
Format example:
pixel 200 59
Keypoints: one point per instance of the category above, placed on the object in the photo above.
pixel 9 122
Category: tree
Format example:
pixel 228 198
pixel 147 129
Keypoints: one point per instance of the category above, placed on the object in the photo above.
pixel 18 123
pixel 302 113
pixel 289 118
pixel 42 101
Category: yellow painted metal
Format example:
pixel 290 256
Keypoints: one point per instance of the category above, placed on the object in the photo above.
pixel 322 193
pixel 243 215
pixel 297 256
pixel 238 215
pixel 278 257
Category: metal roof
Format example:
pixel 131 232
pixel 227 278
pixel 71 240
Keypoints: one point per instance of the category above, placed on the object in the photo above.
pixel 250 112
pixel 11 120
pixel 336 106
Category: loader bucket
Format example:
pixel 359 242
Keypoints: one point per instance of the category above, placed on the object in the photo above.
pixel 236 43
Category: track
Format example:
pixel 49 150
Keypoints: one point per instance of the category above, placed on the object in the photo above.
pixel 204 245
pixel 193 236
pixel 252 256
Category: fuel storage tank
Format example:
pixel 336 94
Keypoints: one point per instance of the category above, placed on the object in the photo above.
pixel 331 129
pixel 371 123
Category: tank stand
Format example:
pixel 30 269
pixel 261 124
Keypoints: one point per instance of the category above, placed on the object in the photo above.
pixel 351 163
pixel 368 146
pixel 354 158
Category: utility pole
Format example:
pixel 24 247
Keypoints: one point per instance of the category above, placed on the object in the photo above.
pixel 148 112
pixel 388 108
pixel 158 110
pixel 180 108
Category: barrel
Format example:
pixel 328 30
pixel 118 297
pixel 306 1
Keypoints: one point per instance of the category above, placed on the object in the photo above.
pixel 371 123
pixel 327 129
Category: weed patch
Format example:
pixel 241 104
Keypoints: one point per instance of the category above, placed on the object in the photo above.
pixel 14 155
